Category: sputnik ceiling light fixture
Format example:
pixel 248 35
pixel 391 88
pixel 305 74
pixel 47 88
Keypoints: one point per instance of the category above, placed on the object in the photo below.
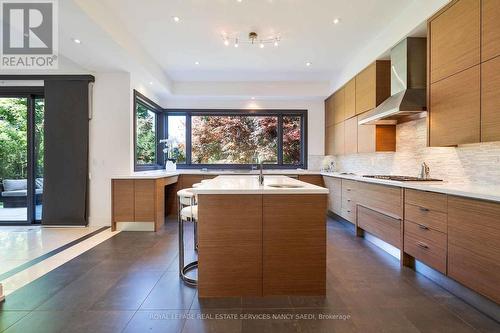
pixel 253 39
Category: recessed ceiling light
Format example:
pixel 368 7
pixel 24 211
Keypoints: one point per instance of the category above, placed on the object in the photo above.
pixel 308 64
pixel 336 20
pixel 253 97
pixel 196 62
pixel 77 41
pixel 176 18
pixel 239 0
pixel 150 83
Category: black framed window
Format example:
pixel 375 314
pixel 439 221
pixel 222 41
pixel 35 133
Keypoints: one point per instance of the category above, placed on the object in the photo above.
pixel 218 139
pixel 148 131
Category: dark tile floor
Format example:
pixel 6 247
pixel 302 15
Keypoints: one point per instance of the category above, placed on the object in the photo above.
pixel 130 283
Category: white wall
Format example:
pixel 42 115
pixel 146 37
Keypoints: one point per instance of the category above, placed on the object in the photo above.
pixel 111 138
pixel 315 108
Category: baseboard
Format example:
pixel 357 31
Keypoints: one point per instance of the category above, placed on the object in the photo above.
pixel 135 226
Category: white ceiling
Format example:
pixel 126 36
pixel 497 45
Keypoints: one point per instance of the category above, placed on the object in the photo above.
pixel 306 27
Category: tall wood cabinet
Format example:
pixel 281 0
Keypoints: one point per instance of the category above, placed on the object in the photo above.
pixel 464 94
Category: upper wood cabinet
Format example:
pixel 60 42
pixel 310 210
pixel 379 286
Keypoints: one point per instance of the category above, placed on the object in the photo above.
pixel 350 99
pixel 490 32
pixel 339 139
pixel 329 140
pixel 490 100
pixel 329 117
pixel 373 86
pixel 376 138
pixel 455 38
pixel 339 106
pixel 351 136
pixel 455 103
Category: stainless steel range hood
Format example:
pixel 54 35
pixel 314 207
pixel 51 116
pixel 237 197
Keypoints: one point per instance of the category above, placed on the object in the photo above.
pixel 408 99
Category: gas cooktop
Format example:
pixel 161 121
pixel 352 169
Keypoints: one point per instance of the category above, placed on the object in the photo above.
pixel 403 178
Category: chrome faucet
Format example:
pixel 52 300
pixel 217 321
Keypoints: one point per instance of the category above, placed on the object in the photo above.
pixel 261 174
pixel 425 171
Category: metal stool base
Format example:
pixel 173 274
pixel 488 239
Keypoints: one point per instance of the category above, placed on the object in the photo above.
pixel 189 267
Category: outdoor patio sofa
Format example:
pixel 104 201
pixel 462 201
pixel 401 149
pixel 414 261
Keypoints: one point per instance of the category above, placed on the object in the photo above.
pixel 14 192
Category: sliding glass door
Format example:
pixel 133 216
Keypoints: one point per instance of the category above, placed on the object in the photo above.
pixel 21 157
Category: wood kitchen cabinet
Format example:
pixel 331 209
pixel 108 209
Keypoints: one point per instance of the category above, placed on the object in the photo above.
pixel 490 29
pixel 140 201
pixel 350 99
pixel 330 140
pixel 473 246
pixel 373 86
pixel 312 179
pixel 455 39
pixel 490 100
pixel 334 185
pixel 329 112
pixel 455 104
pixel 339 106
pixel 339 139
pixel 351 136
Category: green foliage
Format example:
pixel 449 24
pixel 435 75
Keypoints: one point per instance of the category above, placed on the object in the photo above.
pixel 145 135
pixel 13 138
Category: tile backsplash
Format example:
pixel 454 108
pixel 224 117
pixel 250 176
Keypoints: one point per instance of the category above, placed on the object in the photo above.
pixel 479 163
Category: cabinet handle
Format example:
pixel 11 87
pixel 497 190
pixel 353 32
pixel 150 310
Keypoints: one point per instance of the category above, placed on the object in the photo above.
pixel 423 227
pixel 423 209
pixel 422 245
pixel 348 200
pixel 349 190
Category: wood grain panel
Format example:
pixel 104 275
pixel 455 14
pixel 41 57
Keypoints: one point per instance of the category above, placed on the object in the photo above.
pixel 351 136
pixel 339 139
pixel 334 185
pixel 473 245
pixel 230 245
pixel 294 244
pixel 383 79
pixel 490 29
pixel 382 226
pixel 339 106
pixel 312 179
pixel 144 200
pixel 426 245
pixel 385 199
pixel 330 140
pixel 329 112
pixel 122 200
pixel 350 99
pixel 187 181
pixel 429 218
pixel 385 138
pixel 366 138
pixel 348 211
pixel 456 109
pixel 455 39
pixel 490 100
pixel 430 200
pixel 366 89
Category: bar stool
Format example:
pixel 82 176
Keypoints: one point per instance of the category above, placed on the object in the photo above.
pixel 187 212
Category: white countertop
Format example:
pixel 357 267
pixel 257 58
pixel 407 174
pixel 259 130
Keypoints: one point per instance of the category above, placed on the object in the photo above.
pixel 469 190
pixel 249 184
pixel 155 174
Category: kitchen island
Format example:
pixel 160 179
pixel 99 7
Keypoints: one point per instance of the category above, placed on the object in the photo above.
pixel 261 240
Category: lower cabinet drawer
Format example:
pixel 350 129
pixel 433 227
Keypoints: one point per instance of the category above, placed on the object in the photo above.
pixel 426 245
pixel 348 210
pixel 380 225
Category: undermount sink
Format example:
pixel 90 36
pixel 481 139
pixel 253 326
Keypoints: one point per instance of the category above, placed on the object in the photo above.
pixel 285 186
